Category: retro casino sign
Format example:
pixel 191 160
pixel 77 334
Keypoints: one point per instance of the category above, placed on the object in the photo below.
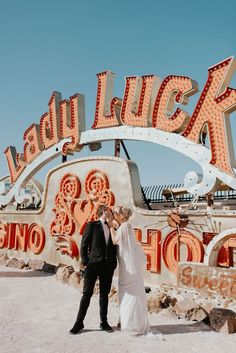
pixel 47 221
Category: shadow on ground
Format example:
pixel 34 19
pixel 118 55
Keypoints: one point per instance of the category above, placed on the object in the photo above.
pixel 26 273
pixel 181 328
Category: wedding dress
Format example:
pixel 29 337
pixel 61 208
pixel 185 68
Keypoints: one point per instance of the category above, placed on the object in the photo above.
pixel 132 296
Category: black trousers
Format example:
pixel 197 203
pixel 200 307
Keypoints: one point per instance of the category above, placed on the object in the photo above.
pixel 104 272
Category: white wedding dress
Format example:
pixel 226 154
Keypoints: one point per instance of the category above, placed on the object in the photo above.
pixel 132 296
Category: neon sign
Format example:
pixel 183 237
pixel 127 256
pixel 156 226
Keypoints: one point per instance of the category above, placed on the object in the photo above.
pixel 151 110
pixel 147 102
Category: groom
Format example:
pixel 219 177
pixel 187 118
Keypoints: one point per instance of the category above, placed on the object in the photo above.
pixel 98 255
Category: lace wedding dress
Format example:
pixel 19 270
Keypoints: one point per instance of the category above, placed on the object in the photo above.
pixel 132 296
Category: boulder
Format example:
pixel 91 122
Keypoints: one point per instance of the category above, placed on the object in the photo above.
pixel 229 326
pixel 223 320
pixel 59 272
pixel 74 280
pixel 196 314
pixel 167 313
pixel 166 301
pixel 185 308
pixel 12 262
pixel 153 303
pixel 3 259
pixel 35 264
pixel 63 273
pixel 49 268
pixel 208 307
pixel 21 264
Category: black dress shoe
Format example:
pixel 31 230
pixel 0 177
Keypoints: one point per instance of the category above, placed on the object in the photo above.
pixel 106 327
pixel 78 326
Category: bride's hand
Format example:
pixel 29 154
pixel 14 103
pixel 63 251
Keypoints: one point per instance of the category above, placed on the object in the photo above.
pixel 115 224
pixel 109 222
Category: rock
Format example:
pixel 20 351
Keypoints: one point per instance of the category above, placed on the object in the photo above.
pixel 36 264
pixel 68 270
pixel 208 307
pixel 167 313
pixel 153 303
pixel 21 264
pixel 74 280
pixel 3 259
pixel 59 272
pixel 49 268
pixel 185 308
pixel 13 262
pixel 147 289
pixel 224 319
pixel 196 314
pixel 229 326
pixel 166 301
pixel 63 273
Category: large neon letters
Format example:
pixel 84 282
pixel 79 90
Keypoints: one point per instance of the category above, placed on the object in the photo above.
pixel 22 237
pixel 147 103
pixel 64 120
pixel 216 102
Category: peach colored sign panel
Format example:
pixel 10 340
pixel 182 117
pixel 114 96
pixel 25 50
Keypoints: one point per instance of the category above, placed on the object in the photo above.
pixel 217 280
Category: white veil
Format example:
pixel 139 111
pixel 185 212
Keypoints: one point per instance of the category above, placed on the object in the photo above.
pixel 129 249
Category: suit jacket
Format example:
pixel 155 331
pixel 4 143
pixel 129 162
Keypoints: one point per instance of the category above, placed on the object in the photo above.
pixel 94 248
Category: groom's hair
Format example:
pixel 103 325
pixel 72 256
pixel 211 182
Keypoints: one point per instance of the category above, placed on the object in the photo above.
pixel 101 209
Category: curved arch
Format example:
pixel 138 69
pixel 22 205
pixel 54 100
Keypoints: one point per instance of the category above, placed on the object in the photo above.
pixel 212 250
pixel 198 153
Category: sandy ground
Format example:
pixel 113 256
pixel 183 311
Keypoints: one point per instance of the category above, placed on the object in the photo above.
pixel 37 312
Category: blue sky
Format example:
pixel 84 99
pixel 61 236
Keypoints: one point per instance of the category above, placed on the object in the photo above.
pixel 62 45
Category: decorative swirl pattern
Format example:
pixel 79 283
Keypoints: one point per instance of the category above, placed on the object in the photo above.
pixel 70 186
pixel 63 224
pixel 200 184
pixel 72 212
pixel 95 182
pixel 107 197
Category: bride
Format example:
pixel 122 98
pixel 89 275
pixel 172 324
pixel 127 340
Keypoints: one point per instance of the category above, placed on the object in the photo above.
pixel 132 296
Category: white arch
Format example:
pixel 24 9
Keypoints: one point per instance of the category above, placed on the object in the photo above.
pixel 198 153
pixel 211 254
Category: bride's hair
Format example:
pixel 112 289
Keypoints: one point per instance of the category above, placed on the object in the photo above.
pixel 124 211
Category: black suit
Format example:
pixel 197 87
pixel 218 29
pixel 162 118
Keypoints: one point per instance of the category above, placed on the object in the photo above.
pixel 100 261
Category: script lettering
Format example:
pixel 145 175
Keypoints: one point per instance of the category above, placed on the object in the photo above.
pixel 50 122
pixel 15 163
pixel 33 145
pixel 72 122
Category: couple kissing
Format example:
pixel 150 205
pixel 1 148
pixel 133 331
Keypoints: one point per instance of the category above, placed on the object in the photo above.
pixel 104 241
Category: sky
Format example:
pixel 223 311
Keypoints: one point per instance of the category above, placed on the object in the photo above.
pixel 60 46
